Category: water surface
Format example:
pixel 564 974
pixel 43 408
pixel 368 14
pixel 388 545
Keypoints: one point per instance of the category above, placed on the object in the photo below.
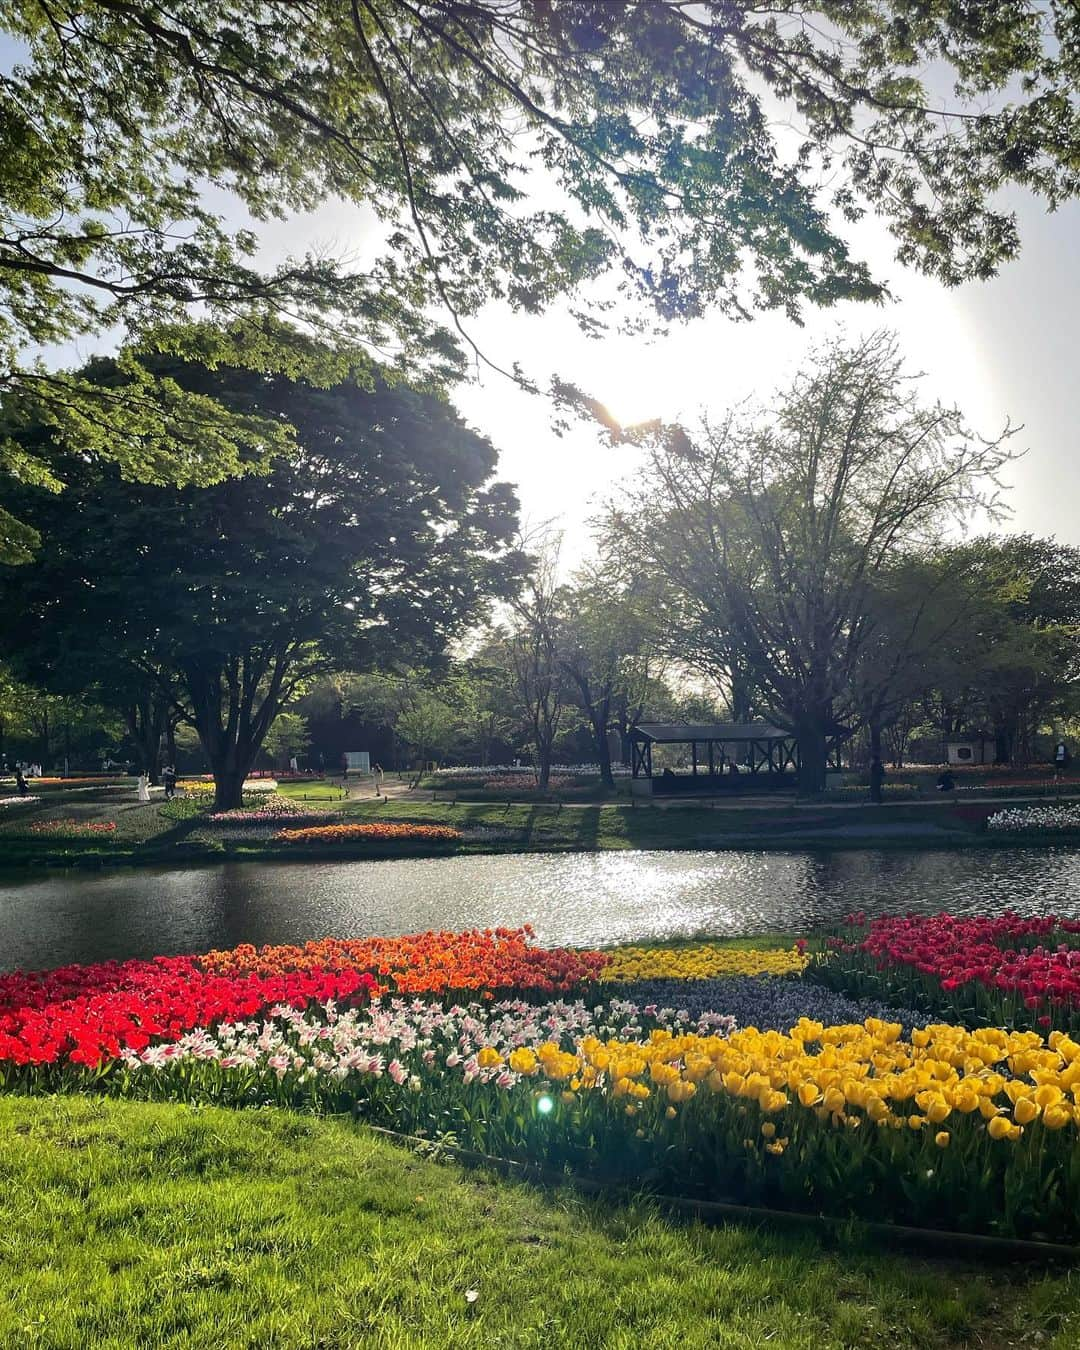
pixel 579 898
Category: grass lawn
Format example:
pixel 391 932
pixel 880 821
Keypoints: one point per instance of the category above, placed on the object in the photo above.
pixel 164 1226
pixel 144 835
pixel 313 790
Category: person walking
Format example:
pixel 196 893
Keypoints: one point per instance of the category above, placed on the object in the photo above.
pixel 877 778
pixel 376 769
pixel 20 782
pixel 168 778
pixel 144 788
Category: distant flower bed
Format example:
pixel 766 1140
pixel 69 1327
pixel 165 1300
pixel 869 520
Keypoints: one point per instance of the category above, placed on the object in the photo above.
pixel 524 770
pixel 197 786
pixel 1006 787
pixel 72 829
pixel 706 962
pixel 17 801
pixel 343 834
pixel 98 781
pixel 862 790
pixel 270 811
pixel 1034 819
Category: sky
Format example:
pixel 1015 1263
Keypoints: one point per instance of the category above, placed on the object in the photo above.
pixel 1002 350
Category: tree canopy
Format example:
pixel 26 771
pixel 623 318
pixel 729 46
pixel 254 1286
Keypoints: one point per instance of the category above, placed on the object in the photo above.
pixel 777 530
pixel 507 150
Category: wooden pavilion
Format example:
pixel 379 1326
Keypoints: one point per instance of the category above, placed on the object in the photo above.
pixel 725 757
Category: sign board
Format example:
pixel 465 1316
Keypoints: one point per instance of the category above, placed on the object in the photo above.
pixel 358 761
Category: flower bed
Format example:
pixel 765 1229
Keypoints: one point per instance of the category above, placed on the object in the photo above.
pixel 380 831
pixel 847 1119
pixel 1006 971
pixel 768 1002
pixel 480 771
pixel 430 963
pixel 72 829
pixel 699 963
pixel 17 801
pixel 937 1125
pixel 111 780
pixel 862 789
pixel 1034 820
pixel 205 786
pixel 89 1014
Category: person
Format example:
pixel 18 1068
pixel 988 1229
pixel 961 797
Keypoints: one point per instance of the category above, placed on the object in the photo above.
pixel 1061 758
pixel 877 777
pixel 144 788
pixel 376 769
pixel 344 768
pixel 168 777
pixel 20 782
pixel 946 782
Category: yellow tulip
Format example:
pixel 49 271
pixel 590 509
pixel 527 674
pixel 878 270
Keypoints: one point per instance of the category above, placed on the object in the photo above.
pixel 1056 1117
pixel 942 1138
pixel 1025 1111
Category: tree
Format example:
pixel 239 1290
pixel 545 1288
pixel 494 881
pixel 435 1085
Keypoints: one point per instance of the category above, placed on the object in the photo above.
pixel 286 738
pixel 533 656
pixel 382 532
pixel 774 528
pixel 605 652
pixel 510 151
pixel 1014 661
pixel 429 725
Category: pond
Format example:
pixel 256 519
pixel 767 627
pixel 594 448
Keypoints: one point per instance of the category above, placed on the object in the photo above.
pixel 578 898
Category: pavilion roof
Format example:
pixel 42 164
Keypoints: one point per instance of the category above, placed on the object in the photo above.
pixel 667 733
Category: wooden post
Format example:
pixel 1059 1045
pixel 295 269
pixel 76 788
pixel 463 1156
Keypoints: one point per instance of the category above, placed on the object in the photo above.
pixel 712 770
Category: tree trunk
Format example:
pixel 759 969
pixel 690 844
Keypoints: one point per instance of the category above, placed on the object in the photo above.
pixel 603 750
pixel 813 754
pixel 229 785
pixel 170 741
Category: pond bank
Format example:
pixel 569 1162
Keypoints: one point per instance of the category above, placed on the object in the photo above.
pixel 144 839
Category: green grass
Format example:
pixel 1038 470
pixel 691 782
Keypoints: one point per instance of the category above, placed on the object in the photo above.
pixel 315 790
pixel 137 1225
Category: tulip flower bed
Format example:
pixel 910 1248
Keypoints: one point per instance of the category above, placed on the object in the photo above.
pixel 90 1014
pixel 704 1078
pixel 1005 971
pixel 72 829
pixel 378 831
pixel 1035 820
pixel 699 963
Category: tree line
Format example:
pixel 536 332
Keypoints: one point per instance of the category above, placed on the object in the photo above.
pixel 799 562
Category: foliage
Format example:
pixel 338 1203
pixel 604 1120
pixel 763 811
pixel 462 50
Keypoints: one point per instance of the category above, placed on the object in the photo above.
pixel 243 591
pixel 428 724
pixel 286 737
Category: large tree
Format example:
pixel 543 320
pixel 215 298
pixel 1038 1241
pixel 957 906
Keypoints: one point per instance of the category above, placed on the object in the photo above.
pixel 775 527
pixel 380 534
pixel 506 150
